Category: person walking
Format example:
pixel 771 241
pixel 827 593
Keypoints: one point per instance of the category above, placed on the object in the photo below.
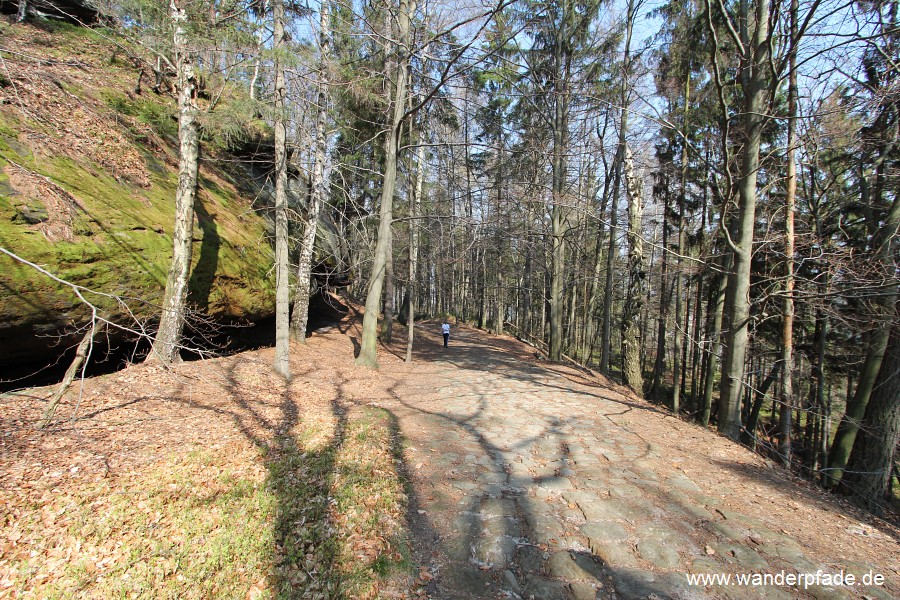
pixel 445 329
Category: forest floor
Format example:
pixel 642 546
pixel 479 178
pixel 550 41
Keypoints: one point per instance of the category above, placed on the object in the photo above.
pixel 476 471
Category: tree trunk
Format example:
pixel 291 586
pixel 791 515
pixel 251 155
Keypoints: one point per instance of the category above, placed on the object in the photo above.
pixel 659 365
pixel 885 245
pixel 680 331
pixel 498 241
pixel 82 354
pixel 714 315
pixel 787 330
pixel 368 353
pixel 748 435
pixel 168 338
pixel 634 299
pixel 558 212
pixel 414 248
pixel 387 328
pixel 869 470
pixel 605 340
pixel 300 317
pixel 588 349
pixel 737 300
pixel 856 408
pixel 620 155
pixel 282 267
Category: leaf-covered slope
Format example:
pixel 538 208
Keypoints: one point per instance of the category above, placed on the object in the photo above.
pixel 88 172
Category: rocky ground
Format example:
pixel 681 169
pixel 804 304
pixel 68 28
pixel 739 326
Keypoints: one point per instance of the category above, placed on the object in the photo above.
pixel 535 480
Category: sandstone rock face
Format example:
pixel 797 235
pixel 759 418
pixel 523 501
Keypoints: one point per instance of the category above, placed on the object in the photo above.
pixel 72 11
pixel 87 187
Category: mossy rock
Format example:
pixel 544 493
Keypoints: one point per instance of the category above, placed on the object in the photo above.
pixel 94 225
pixel 30 215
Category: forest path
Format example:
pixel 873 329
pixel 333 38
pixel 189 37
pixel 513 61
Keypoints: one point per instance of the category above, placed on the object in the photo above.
pixel 533 480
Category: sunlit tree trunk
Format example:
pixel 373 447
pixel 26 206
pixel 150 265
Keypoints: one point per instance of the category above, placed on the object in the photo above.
pixel 634 299
pixel 282 273
pixel 368 355
pixel 171 324
pixel 786 393
pixel 300 317
pixel 414 201
pixel 754 82
pixel 387 332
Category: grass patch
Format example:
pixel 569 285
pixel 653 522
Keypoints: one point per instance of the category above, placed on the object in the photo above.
pixel 316 515
pixel 161 117
pixel 196 527
pixel 339 531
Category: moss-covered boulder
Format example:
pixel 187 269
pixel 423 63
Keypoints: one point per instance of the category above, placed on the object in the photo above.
pixel 88 172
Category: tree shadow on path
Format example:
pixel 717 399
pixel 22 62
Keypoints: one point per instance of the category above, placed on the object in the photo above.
pixel 520 502
pixel 300 477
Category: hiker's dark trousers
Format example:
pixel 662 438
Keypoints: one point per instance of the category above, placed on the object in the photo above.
pixel 446 339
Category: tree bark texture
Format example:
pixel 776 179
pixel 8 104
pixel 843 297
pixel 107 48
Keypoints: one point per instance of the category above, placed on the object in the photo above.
pixel 282 272
pixel 737 304
pixel 166 345
pixel 786 395
pixel 387 326
pixel 634 299
pixel 368 353
pixel 414 248
pixel 869 471
pixel 300 317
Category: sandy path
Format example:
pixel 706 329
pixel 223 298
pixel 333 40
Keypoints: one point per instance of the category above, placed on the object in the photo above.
pixel 532 480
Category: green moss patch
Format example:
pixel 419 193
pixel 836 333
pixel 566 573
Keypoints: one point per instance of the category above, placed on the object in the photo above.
pixel 119 239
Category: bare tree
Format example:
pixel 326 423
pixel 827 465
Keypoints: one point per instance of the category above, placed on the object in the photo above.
pixel 171 325
pixel 300 317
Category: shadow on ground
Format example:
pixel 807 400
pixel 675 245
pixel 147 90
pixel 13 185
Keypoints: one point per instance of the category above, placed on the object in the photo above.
pixel 520 504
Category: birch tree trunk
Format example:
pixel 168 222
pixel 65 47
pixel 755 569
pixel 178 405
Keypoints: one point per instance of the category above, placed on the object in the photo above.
pixel 282 289
pixel 300 317
pixel 634 299
pixel 171 324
